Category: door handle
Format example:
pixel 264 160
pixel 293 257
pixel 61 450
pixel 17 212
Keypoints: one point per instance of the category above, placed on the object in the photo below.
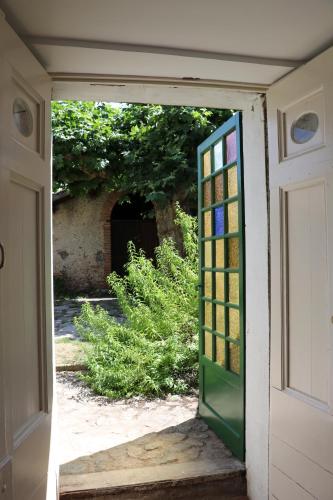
pixel 2 256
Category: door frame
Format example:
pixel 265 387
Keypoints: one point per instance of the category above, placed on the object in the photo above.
pixel 256 200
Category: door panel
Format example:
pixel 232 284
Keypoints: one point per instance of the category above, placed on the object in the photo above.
pixel 222 288
pixel 305 472
pixel 300 125
pixel 306 281
pixel 25 330
pixel 25 284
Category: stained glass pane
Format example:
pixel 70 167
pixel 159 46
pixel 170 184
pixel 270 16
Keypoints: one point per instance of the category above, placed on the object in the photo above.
pixel 208 314
pixel 208 254
pixel 234 358
pixel 232 181
pixel 208 345
pixel 207 194
pixel 231 143
pixel 219 253
pixel 218 155
pixel 233 217
pixel 206 164
pixel 234 288
pixel 233 251
pixel 218 188
pixel 219 221
pixel 219 286
pixel 219 349
pixel 208 223
pixel 208 284
pixel 234 331
pixel 220 318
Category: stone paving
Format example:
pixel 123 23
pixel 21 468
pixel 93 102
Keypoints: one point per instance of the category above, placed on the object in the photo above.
pixel 111 444
pixel 89 423
pixel 65 310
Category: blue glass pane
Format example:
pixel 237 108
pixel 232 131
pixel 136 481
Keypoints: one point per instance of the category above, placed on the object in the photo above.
pixel 219 221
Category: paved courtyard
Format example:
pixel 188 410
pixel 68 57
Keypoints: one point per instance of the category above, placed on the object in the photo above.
pixel 89 424
pixel 65 310
pixel 104 442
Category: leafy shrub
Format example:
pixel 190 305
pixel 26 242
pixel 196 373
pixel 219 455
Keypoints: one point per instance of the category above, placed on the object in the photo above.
pixel 61 289
pixel 154 352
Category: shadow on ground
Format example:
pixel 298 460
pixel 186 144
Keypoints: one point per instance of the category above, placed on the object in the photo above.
pixel 186 442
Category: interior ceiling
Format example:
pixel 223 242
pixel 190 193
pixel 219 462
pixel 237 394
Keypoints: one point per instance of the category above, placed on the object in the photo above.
pixel 240 41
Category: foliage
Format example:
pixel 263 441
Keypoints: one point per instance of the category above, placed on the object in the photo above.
pixel 154 352
pixel 60 288
pixel 148 150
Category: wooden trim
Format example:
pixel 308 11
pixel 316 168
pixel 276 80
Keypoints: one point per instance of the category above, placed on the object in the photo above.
pixel 123 80
pixel 155 49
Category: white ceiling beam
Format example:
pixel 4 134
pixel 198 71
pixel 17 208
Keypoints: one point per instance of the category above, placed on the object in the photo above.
pixel 106 80
pixel 149 49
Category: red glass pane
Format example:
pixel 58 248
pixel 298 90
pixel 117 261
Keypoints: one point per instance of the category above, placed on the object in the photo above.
pixel 231 141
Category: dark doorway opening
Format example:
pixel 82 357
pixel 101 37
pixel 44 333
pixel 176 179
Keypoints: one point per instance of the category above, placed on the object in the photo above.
pixel 132 221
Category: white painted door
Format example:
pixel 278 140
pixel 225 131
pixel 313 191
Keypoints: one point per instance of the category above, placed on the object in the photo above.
pixel 300 125
pixel 25 277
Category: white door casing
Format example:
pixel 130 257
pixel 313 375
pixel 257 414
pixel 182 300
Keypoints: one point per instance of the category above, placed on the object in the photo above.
pixel 301 208
pixel 25 279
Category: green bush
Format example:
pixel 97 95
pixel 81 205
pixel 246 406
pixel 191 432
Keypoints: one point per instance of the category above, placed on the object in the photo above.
pixel 155 351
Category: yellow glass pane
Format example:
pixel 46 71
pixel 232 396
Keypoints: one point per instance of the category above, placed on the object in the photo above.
pixel 206 164
pixel 208 223
pixel 208 254
pixel 233 251
pixel 234 330
pixel 207 194
pixel 232 182
pixel 218 188
pixel 234 358
pixel 218 161
pixel 208 284
pixel 233 217
pixel 208 314
pixel 219 286
pixel 219 349
pixel 219 253
pixel 208 345
pixel 219 318
pixel 233 288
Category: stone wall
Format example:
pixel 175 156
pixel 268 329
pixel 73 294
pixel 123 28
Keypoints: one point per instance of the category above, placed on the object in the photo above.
pixel 82 240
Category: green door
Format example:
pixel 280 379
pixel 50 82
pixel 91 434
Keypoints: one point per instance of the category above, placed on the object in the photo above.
pixel 221 239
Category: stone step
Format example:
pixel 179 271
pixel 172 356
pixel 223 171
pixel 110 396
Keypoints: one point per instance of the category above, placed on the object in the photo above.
pixel 226 485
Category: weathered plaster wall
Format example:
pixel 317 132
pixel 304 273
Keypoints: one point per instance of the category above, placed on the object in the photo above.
pixel 81 240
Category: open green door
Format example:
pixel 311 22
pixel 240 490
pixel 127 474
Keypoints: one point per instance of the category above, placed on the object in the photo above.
pixel 221 239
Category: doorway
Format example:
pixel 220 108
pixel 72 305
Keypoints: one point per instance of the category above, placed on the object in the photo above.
pixel 134 221
pixel 256 250
pixel 224 177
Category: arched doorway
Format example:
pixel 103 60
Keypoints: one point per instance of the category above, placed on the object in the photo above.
pixel 132 221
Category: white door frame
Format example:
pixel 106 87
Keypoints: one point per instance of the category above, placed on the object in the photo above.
pixel 256 240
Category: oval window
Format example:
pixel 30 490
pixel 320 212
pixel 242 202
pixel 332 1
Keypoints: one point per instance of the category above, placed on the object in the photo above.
pixel 304 128
pixel 22 117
